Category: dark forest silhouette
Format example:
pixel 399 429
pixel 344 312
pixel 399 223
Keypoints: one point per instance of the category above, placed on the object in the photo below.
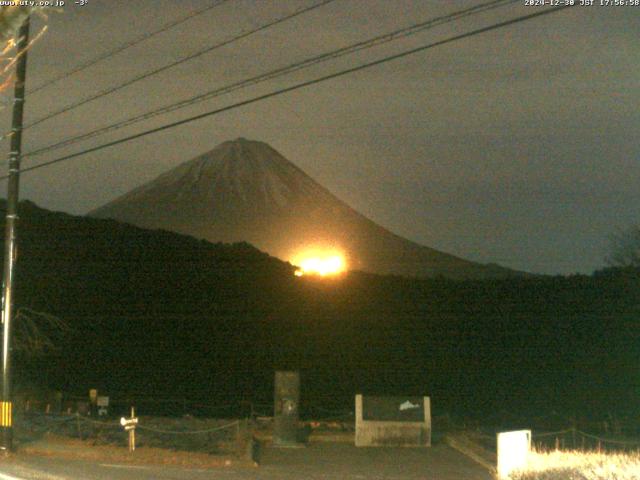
pixel 157 313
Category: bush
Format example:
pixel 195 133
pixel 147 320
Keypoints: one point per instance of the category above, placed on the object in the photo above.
pixel 575 465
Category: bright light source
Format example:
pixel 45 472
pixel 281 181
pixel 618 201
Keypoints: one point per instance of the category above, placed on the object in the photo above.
pixel 319 263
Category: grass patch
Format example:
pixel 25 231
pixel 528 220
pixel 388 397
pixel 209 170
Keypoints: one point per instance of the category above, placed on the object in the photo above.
pixel 575 465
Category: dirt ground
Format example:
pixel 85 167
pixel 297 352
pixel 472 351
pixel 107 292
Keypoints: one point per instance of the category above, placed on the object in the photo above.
pixel 55 446
pixel 315 461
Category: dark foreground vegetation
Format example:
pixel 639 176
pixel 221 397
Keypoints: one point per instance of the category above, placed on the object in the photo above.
pixel 153 313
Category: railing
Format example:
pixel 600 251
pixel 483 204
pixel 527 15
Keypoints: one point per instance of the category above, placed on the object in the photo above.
pixel 211 436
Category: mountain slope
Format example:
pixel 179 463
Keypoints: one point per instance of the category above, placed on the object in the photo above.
pixel 154 314
pixel 246 191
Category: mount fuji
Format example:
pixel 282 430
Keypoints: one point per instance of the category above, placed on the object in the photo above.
pixel 245 190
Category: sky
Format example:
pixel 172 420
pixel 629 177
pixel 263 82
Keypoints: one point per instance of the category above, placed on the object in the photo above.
pixel 518 146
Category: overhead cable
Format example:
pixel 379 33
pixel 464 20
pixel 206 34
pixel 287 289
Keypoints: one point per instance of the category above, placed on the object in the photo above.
pixel 297 86
pixel 279 72
pixel 121 48
pixel 175 63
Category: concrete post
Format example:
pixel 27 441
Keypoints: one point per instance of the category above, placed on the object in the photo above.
pixel 286 409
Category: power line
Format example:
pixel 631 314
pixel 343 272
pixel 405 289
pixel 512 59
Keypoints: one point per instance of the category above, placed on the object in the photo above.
pixel 298 86
pixel 180 61
pixel 369 43
pixel 125 46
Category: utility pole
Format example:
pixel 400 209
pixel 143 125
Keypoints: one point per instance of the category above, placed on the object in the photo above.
pixel 6 423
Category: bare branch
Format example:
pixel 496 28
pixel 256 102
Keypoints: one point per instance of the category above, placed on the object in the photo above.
pixel 625 248
pixel 31 325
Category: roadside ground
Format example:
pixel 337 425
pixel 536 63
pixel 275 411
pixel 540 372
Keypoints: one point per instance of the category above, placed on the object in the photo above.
pixel 55 458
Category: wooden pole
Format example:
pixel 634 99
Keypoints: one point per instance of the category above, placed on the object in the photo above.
pixel 78 425
pixel 132 433
pixel 6 405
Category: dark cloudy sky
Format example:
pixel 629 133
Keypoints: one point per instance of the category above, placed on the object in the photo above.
pixel 520 146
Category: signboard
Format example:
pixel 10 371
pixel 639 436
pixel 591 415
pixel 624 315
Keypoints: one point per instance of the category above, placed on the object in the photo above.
pixel 393 409
pixel 393 421
pixel 513 451
pixel 129 423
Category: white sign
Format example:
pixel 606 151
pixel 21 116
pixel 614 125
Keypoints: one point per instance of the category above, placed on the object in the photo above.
pixel 408 406
pixel 513 451
pixel 129 423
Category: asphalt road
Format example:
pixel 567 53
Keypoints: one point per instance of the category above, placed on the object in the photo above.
pixel 315 462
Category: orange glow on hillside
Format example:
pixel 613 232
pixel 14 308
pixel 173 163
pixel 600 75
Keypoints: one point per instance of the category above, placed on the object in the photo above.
pixel 319 263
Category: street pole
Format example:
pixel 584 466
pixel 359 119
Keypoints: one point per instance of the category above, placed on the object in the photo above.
pixel 6 423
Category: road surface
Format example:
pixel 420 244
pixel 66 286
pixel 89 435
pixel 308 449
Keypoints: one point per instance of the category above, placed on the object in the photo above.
pixel 321 461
